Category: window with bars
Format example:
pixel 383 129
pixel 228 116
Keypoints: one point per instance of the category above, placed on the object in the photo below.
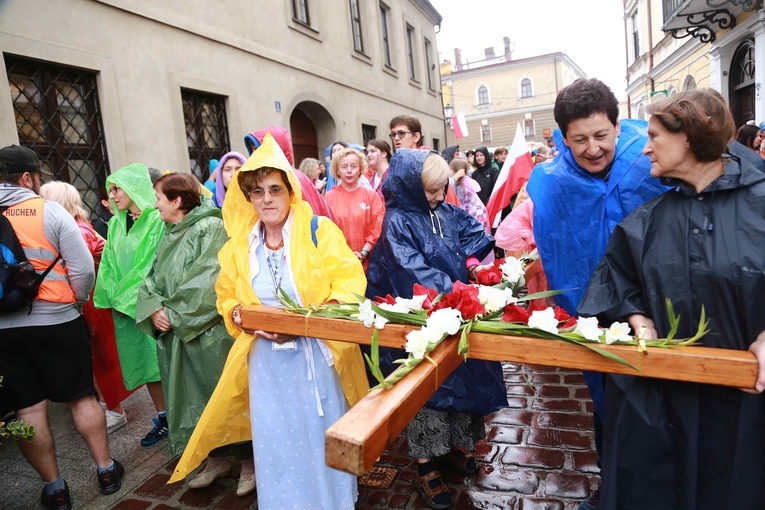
pixel 368 133
pixel 58 115
pixel 206 129
pixel 486 133
pixel 410 50
pixel 526 90
pixel 358 41
pixel 384 15
pixel 300 12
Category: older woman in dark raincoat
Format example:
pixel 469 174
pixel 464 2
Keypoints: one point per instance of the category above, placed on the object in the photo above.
pixel 677 445
pixel 427 241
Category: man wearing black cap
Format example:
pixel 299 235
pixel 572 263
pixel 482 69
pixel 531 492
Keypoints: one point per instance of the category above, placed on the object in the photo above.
pixel 45 351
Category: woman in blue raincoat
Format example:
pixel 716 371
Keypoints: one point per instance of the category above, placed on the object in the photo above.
pixel 429 242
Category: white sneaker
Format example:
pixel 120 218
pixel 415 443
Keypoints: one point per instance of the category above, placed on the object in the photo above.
pixel 115 421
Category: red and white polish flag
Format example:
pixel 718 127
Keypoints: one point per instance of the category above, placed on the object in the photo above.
pixel 514 173
pixel 459 125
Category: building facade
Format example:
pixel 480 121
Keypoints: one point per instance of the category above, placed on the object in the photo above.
pixel 498 93
pixel 677 45
pixel 94 85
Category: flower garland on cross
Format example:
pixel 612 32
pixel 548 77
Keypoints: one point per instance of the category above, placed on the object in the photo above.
pixel 493 305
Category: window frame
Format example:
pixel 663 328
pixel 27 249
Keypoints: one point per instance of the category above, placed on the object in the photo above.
pixel 635 42
pixel 198 148
pixel 357 32
pixel 485 133
pixel 385 35
pixel 296 5
pixel 368 132
pixel 526 130
pixel 410 51
pixel 429 65
pixel 527 88
pixel 56 150
pixel 482 92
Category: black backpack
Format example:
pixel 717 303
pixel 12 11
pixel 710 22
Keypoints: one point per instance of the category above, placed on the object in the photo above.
pixel 19 282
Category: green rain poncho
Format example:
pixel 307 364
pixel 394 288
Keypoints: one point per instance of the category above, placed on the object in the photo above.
pixel 125 263
pixel 182 280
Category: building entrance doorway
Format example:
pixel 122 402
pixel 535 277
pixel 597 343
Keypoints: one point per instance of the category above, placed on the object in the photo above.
pixel 741 91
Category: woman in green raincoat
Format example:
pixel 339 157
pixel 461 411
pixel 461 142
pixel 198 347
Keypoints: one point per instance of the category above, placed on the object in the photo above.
pixel 134 232
pixel 176 305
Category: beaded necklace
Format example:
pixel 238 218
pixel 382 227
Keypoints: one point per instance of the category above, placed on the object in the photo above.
pixel 275 257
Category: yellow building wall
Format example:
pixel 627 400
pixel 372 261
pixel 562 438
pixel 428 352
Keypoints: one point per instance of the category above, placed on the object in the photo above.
pixel 506 107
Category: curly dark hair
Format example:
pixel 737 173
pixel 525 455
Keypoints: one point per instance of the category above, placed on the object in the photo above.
pixel 582 99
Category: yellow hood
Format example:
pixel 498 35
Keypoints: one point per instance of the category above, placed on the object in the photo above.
pixel 239 215
pixel 325 272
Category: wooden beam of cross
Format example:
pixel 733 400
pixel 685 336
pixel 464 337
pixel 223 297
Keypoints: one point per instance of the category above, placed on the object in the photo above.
pixel 357 440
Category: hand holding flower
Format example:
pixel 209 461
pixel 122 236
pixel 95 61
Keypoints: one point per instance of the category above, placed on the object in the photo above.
pixel 638 321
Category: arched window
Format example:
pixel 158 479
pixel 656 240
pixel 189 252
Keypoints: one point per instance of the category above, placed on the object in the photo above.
pixel 483 95
pixel 690 83
pixel 641 112
pixel 526 88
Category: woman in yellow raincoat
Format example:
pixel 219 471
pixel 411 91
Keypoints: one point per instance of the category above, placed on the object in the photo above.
pixel 293 387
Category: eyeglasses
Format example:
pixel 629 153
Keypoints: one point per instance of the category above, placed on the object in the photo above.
pixel 400 134
pixel 112 191
pixel 274 191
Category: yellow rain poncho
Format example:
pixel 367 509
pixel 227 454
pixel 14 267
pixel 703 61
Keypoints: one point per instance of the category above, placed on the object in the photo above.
pixel 322 273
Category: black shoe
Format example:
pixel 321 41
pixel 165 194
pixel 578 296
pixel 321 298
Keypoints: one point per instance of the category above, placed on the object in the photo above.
pixel 110 481
pixel 59 500
pixel 159 431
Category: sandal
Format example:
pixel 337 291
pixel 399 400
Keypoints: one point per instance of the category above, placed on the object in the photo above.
pixel 459 461
pixel 422 485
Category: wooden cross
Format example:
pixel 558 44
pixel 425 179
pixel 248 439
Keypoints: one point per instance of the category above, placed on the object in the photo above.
pixel 357 440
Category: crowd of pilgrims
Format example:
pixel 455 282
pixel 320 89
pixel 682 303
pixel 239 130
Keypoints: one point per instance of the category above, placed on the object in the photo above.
pixel 180 259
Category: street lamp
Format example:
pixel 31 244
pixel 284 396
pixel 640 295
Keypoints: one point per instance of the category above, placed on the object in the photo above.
pixel 448 112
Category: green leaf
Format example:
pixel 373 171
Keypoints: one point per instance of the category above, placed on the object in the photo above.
pixel 286 300
pixel 539 295
pixel 413 318
pixel 674 320
pixel 464 345
pixel 374 362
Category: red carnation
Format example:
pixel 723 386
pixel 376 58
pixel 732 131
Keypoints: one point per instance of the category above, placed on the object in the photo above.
pixel 515 313
pixel 564 318
pixel 489 276
pixel 463 298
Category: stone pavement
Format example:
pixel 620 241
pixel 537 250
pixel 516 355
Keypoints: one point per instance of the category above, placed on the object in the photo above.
pixel 539 454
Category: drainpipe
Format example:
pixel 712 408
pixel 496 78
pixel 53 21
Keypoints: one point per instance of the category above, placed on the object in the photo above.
pixel 627 60
pixel 650 46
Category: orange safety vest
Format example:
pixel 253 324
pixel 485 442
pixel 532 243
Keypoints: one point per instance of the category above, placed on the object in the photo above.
pixel 27 220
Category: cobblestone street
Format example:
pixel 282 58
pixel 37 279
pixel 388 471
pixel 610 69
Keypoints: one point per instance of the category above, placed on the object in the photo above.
pixel 539 454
